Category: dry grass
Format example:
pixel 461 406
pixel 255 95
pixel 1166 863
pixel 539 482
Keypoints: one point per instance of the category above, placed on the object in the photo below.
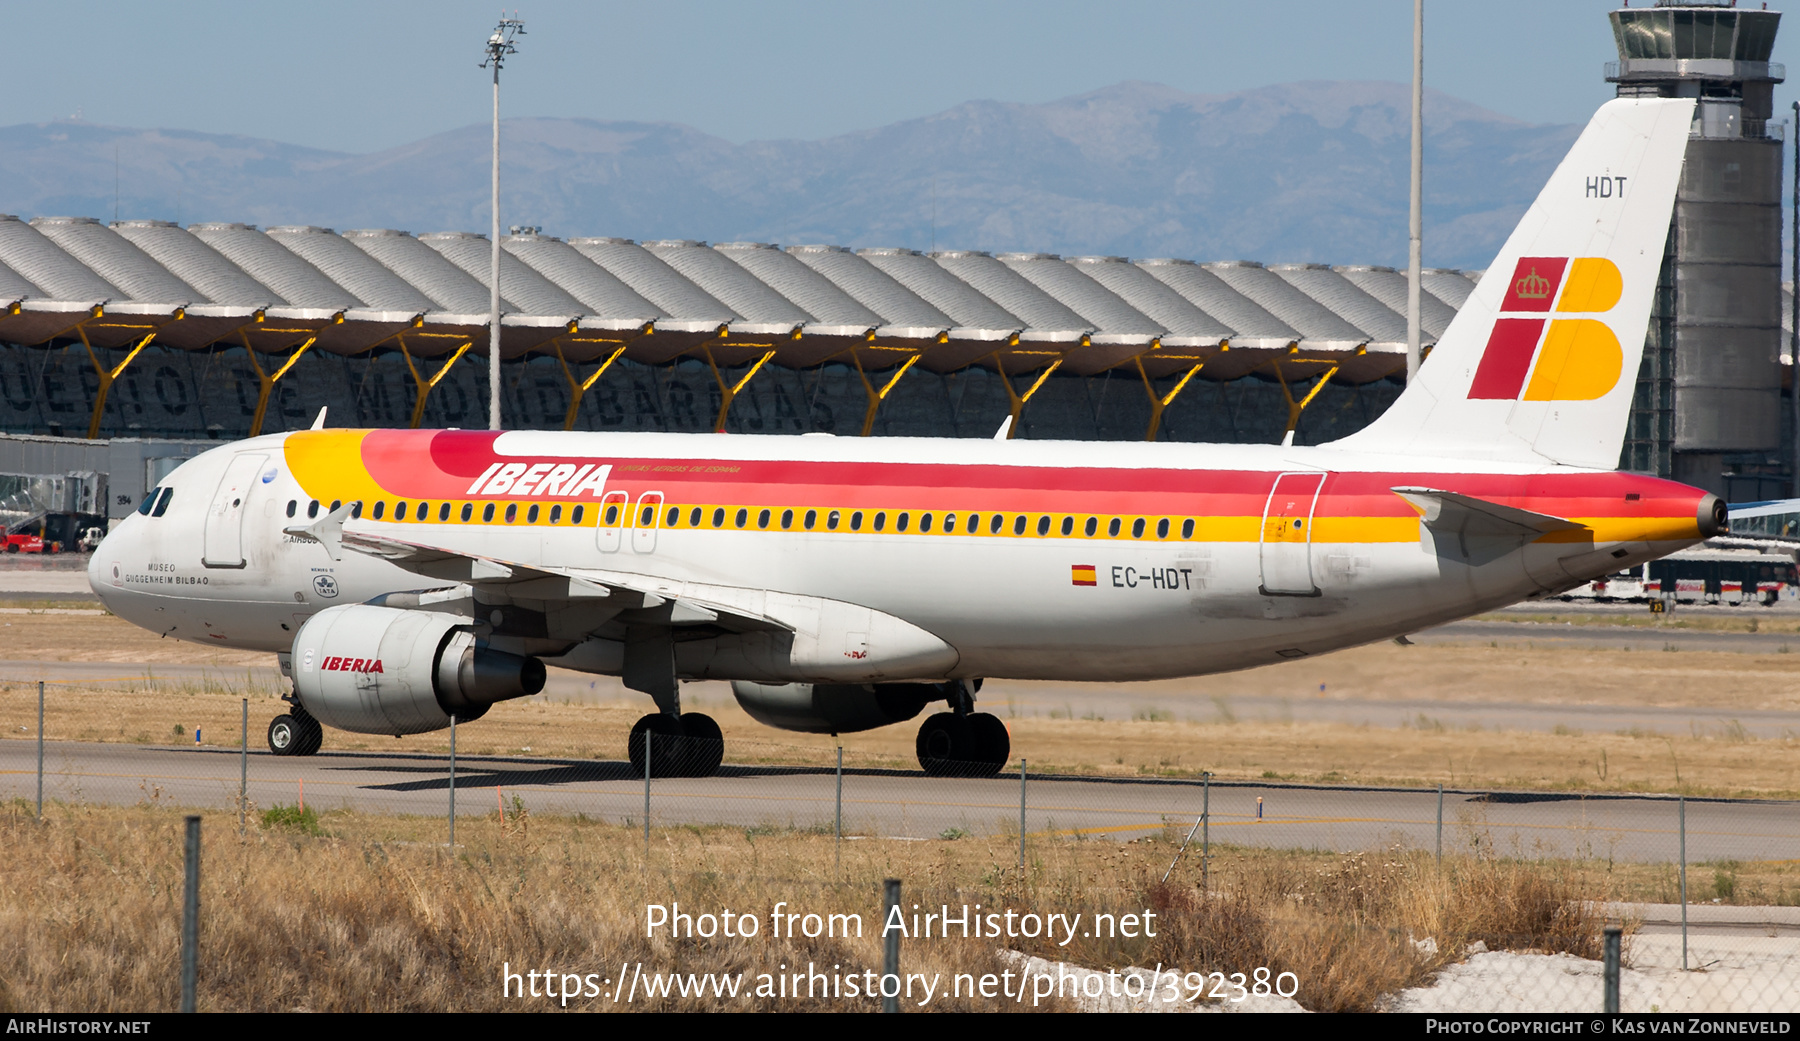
pixel 374 914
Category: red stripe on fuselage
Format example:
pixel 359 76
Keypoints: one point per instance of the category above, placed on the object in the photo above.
pixel 438 465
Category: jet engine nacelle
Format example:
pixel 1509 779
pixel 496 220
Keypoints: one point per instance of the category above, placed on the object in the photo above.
pixel 835 708
pixel 380 670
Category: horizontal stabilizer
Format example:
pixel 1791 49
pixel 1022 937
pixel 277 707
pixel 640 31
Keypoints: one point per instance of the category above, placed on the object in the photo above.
pixel 1475 530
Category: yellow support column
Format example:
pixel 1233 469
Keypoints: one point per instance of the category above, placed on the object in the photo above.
pixel 1019 400
pixel 729 391
pixel 265 383
pixel 876 397
pixel 107 376
pixel 1295 408
pixel 422 386
pixel 577 390
pixel 1158 404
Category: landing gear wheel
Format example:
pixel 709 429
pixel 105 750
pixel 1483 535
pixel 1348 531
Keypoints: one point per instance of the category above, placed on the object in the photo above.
pixel 704 745
pixel 284 735
pixel 663 735
pixel 312 735
pixel 946 745
pixel 992 743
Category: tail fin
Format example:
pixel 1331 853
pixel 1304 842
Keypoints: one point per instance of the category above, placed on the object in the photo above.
pixel 1541 362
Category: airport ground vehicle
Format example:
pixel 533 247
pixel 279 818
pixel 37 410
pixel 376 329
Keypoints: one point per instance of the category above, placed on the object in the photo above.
pixel 1723 571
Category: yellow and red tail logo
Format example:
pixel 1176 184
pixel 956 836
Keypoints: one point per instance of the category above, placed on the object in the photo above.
pixel 1574 359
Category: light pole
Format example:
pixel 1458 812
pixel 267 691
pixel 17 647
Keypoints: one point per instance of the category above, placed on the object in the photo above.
pixel 1415 223
pixel 499 45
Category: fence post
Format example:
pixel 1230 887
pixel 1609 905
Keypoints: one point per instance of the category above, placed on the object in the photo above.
pixel 40 750
pixel 890 947
pixel 1440 825
pixel 452 782
pixel 1021 815
pixel 1682 819
pixel 190 915
pixel 649 750
pixel 1611 997
pixel 840 810
pixel 1206 832
pixel 244 768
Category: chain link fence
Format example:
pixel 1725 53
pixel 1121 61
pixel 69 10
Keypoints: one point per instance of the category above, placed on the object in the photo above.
pixel 1450 899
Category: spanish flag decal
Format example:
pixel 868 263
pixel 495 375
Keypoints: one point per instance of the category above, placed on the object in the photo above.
pixel 1082 575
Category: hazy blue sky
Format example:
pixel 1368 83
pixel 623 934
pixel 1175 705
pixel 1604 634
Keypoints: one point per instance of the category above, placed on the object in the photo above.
pixel 361 76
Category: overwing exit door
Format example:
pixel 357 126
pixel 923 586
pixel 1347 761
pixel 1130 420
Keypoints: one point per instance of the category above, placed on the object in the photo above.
pixel 1287 535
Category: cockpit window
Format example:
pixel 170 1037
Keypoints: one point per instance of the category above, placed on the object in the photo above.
pixel 162 504
pixel 149 501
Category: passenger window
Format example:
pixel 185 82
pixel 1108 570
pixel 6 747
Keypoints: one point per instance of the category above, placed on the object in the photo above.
pixel 762 519
pixel 856 521
pixel 400 511
pixel 379 508
pixel 312 509
pixel 880 520
pixel 1043 525
pixel 1162 528
pixel 787 519
pixel 924 522
pixel 356 510
pixel 531 515
pixel 335 503
pixel 694 517
pixel 901 521
pixel 949 523
pixel 443 512
pixel 674 516
pixel 487 513
pixel 1112 528
pixel 646 516
pixel 293 507
pixel 1019 524
pixel 1187 528
pixel 556 514
pixel 831 521
pixel 512 512
pixel 162 504
pixel 1093 525
pixel 719 517
pixel 1137 528
pixel 994 523
pixel 1068 527
pixel 575 518
pixel 468 512
pixel 812 517
pixel 742 518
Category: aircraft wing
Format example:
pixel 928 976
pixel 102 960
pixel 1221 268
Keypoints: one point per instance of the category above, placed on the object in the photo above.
pixel 603 595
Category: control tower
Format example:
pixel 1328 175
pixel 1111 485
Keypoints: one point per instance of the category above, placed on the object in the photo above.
pixel 1710 384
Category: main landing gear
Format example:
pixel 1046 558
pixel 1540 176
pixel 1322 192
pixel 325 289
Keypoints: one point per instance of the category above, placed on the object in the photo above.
pixel 295 733
pixel 677 743
pixel 688 745
pixel 963 742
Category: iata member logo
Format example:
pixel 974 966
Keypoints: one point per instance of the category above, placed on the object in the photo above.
pixel 1566 359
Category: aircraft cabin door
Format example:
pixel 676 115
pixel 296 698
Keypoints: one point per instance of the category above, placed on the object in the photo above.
pixel 224 535
pixel 612 520
pixel 1287 535
pixel 645 523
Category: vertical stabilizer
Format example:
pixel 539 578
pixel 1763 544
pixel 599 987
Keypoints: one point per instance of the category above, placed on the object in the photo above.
pixel 1541 362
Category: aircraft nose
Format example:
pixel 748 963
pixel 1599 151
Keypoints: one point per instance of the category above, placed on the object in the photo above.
pixel 104 567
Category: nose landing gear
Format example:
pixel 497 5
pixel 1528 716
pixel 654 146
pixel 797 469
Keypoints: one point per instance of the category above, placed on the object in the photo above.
pixel 962 742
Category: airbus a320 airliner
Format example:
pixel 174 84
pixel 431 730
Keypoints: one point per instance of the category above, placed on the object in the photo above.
pixel 404 577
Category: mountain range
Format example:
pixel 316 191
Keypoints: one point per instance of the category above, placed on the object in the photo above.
pixel 1310 171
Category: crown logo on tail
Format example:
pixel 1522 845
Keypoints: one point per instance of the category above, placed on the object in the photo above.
pixel 1533 286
